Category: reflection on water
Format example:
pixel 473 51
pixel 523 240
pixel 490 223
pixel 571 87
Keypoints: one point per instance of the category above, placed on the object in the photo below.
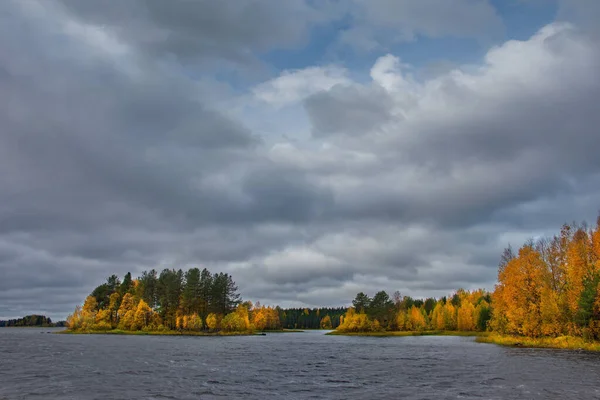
pixel 288 365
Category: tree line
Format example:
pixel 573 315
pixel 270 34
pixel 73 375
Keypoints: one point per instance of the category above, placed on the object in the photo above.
pixel 314 318
pixel 171 300
pixel 463 311
pixel 549 288
pixel 194 300
pixel 32 320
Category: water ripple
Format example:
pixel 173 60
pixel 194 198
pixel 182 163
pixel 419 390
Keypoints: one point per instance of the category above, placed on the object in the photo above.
pixel 293 366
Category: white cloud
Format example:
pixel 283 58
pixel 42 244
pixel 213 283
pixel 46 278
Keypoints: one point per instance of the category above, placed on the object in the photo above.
pixel 293 86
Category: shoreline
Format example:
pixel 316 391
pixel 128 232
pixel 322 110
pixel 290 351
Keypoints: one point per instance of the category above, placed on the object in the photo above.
pixel 409 333
pixel 173 333
pixel 558 343
pixel 164 333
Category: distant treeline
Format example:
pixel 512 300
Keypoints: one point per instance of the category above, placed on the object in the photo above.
pixel 314 318
pixel 464 311
pixel 32 320
pixel 195 300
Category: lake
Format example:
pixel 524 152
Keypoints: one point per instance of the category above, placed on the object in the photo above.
pixel 306 365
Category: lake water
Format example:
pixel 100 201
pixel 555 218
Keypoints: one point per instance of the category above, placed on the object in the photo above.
pixel 306 365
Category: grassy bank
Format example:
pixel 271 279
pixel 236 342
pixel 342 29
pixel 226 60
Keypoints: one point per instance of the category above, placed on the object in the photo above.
pixel 155 333
pixel 408 333
pixel 561 342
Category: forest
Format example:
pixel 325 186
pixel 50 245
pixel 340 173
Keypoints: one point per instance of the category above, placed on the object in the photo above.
pixel 311 318
pixel 32 320
pixel 463 311
pixel 550 287
pixel 191 301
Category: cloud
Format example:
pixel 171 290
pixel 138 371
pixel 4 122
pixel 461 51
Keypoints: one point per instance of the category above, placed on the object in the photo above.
pixel 293 86
pixel 120 151
pixel 378 23
pixel 202 30
pixel 360 108
pixel 584 13
pixel 515 128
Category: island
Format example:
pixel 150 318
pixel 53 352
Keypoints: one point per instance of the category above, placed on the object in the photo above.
pixel 195 302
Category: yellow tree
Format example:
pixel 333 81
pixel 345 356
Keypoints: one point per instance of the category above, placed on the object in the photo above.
pixel 326 322
pixel 273 321
pixel 259 317
pixel 238 320
pixel 88 313
pixel 232 322
pixel 416 319
pixel 437 317
pixel 113 307
pixel 401 320
pixel 90 305
pixel 74 320
pixel 376 326
pixel 466 316
pixel 212 321
pixel 449 316
pixel 194 322
pixel 143 315
pixel 595 256
pixel 353 322
pixel 523 280
pixel 126 313
pixel 102 321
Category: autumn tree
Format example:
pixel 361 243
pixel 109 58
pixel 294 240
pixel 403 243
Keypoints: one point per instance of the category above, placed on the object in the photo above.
pixel 416 319
pixel 126 313
pixel 326 322
pixel 102 320
pixel 355 322
pixel 143 315
pixel 466 317
pixel 113 308
pixel 212 321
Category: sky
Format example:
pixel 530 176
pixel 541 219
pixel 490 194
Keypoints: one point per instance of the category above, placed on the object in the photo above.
pixel 312 149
